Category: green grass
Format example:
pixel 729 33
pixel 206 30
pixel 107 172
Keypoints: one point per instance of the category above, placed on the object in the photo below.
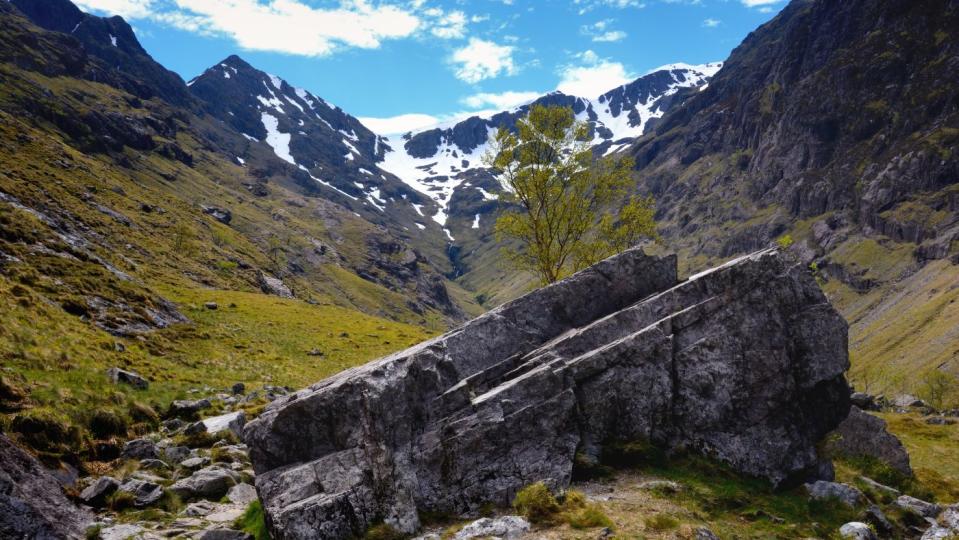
pixel 253 521
pixel 933 451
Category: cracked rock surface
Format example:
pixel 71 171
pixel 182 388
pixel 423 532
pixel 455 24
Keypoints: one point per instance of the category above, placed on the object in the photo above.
pixel 743 363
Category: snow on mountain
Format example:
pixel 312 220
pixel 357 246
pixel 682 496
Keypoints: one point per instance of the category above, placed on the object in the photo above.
pixel 444 160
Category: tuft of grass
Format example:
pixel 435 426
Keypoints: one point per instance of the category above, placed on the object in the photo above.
pixel 253 521
pixel 120 500
pixel 536 503
pixel 662 522
pixel 383 531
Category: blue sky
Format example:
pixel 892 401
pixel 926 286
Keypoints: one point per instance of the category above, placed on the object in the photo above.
pixel 399 64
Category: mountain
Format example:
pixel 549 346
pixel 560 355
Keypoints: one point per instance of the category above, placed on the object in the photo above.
pixel 837 124
pixel 446 163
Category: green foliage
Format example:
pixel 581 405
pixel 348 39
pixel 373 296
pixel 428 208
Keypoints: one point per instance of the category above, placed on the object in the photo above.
pixel 564 216
pixel 536 503
pixel 582 514
pixel 120 500
pixel 93 532
pixel 662 522
pixel 938 388
pixel 106 424
pixel 253 521
pixel 785 241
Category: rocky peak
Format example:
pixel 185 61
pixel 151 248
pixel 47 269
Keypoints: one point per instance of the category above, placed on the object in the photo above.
pixel 617 352
pixel 110 39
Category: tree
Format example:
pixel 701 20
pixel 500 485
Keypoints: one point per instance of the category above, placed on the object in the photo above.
pixel 937 387
pixel 562 213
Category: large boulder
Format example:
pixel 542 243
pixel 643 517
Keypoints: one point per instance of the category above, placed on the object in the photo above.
pixel 211 482
pixel 862 434
pixel 744 363
pixel 32 504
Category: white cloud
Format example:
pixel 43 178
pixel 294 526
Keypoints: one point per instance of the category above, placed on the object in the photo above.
pixel 293 27
pixel 711 23
pixel 130 9
pixel 499 101
pixel 588 5
pixel 481 59
pixel 600 31
pixel 449 25
pixel 592 76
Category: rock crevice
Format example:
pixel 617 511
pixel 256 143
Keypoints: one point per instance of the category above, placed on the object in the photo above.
pixel 743 363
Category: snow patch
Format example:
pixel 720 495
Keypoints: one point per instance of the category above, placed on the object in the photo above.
pixel 113 39
pixel 476 221
pixel 280 142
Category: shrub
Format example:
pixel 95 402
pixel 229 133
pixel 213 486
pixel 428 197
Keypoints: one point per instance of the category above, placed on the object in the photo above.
pixel 536 503
pixel 106 424
pixel 140 412
pixel 785 241
pixel 120 500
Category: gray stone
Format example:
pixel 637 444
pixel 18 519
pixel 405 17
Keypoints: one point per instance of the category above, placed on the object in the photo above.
pixel 199 508
pixel 619 350
pixel 153 464
pixel 211 305
pixel 862 434
pixel 32 505
pixel 864 401
pixel 241 494
pixel 176 454
pixel 939 533
pixel 233 422
pixel 238 389
pixel 145 493
pixel 224 534
pixel 120 532
pixel 857 531
pixel 950 517
pixel 882 488
pixel 506 527
pixel 173 425
pixel 132 378
pixel 844 493
pixel 194 428
pixel 918 506
pixel 140 449
pixel 96 494
pixel 940 421
pixel 907 400
pixel 877 518
pixel 188 409
pixel 273 285
pixel 211 482
pixel 194 463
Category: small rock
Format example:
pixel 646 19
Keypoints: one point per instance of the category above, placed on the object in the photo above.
pixel 224 534
pixel 96 494
pixel 505 527
pixel 146 493
pixel 875 517
pixel 907 400
pixel 211 305
pixel 194 463
pixel 132 378
pixel 923 508
pixel 862 434
pixel 702 533
pixel 153 464
pixel 176 454
pixel 211 482
pixel 950 517
pixel 241 494
pixel 120 532
pixel 272 285
pixel 140 449
pixel 848 495
pixel 879 487
pixel 238 389
pixel 938 533
pixel 857 531
pixel 940 421
pixel 194 428
pixel 864 401
pixel 233 421
pixel 665 486
pixel 188 409
pixel 220 214
pixel 198 509
pixel 314 352
pixel 173 425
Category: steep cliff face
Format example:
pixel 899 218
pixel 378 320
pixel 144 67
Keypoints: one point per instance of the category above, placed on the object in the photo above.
pixel 744 363
pixel 836 123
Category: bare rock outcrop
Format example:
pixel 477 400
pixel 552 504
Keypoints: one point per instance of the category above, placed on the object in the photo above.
pixel 743 363
pixel 31 502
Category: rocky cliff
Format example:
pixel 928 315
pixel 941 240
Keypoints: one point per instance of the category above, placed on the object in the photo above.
pixel 743 363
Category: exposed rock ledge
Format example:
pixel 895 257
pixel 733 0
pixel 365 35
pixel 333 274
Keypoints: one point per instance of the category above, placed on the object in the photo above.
pixel 744 363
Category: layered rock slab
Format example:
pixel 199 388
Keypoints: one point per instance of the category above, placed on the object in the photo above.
pixel 743 363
